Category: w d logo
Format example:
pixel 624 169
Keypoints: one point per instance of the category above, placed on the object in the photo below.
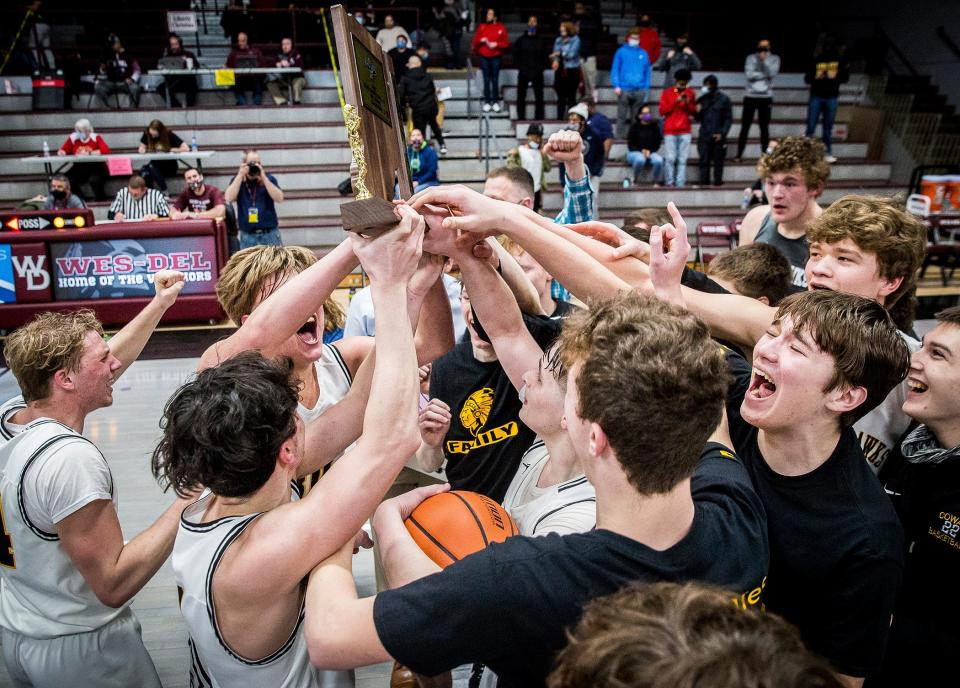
pixel 31 270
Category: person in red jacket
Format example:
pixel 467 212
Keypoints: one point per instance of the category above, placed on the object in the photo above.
pixel 677 106
pixel 649 38
pixel 85 141
pixel 489 42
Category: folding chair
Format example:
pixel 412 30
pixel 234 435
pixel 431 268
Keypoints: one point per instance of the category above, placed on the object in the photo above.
pixel 944 253
pixel 713 235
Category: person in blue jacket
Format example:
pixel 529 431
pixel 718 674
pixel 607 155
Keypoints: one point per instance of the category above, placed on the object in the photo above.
pixel 423 161
pixel 630 76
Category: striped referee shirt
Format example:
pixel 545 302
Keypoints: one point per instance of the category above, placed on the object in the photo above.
pixel 151 203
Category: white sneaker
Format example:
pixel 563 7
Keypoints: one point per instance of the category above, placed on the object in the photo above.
pixel 443 150
pixel 496 107
pixel 486 107
pixel 830 158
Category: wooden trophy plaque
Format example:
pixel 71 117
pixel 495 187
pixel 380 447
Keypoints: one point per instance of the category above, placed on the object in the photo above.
pixel 373 126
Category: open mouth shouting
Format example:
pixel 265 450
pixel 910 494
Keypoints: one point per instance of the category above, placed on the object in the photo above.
pixel 916 386
pixel 762 385
pixel 309 331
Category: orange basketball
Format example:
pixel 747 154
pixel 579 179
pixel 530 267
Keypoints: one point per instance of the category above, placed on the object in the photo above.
pixel 450 525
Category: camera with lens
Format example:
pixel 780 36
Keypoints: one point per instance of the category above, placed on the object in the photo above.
pixel 253 169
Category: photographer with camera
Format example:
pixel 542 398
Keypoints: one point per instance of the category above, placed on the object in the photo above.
pixel 677 106
pixel 255 193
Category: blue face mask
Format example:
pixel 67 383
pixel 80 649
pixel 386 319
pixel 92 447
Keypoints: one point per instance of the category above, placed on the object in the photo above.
pixel 401 44
pixel 424 56
pixel 531 30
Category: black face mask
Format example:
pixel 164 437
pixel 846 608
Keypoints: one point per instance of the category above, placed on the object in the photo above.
pixel 645 24
pixel 58 194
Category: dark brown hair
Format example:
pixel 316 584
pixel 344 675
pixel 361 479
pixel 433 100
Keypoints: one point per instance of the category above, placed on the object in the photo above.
pixel 224 428
pixel 162 142
pixel 756 270
pixel 949 315
pixel 797 152
pixel 667 635
pixel 652 378
pixel 644 216
pixel 861 337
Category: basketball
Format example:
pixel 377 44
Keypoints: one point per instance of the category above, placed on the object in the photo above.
pixel 450 525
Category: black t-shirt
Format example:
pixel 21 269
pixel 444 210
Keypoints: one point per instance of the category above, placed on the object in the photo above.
pixel 508 606
pixel 835 545
pixel 927 499
pixel 153 145
pixel 486 438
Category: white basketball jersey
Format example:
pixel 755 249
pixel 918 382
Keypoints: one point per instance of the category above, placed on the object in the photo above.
pixel 8 428
pixel 47 472
pixel 197 551
pixel 568 507
pixel 334 379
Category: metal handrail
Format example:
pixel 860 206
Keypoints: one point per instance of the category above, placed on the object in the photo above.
pixel 484 137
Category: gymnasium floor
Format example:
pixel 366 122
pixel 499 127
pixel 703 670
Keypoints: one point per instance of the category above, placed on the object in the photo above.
pixel 126 433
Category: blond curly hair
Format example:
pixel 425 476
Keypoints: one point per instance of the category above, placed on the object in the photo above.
pixel 48 343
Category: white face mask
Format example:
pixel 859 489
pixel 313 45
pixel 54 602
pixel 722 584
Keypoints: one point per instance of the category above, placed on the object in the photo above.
pixel 534 145
pixel 634 42
pixel 522 394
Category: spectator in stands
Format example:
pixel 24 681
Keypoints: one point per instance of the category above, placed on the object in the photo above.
pixel 452 19
pixel 759 271
pixel 364 20
pixel 754 195
pixel 566 67
pixel 531 157
pixel 530 53
pixel 679 57
pixel 600 123
pixel 638 223
pixel 649 37
pixel 280 85
pixel 119 73
pixel 677 106
pixel 827 71
pixel 85 141
pixel 668 634
pixel 630 76
pixel 643 146
pixel 594 151
pixel 245 55
pixel 200 200
pixel 423 162
pixel 180 84
pixel 137 202
pixel 418 92
pixel 60 196
pixel 588 29
pixel 793 177
pixel 156 138
pixel 715 114
pixel 489 42
pixel 399 56
pixel 760 68
pixel 388 35
pixel 256 194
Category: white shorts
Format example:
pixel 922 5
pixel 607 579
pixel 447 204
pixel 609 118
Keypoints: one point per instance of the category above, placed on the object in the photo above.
pixel 109 657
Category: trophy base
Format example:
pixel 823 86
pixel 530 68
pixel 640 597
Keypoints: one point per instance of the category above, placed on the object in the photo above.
pixel 370 217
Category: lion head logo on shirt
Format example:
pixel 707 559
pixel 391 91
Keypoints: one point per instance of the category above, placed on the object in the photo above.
pixel 476 410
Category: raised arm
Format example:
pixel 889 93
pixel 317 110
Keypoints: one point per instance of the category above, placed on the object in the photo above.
pixel 284 312
pixel 350 491
pixel 496 309
pixel 473 212
pixel 128 343
pixel 738 319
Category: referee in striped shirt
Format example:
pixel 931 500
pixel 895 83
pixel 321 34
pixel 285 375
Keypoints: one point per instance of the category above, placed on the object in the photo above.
pixel 137 202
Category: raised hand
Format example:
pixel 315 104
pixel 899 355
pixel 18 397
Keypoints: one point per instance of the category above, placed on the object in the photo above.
pixel 669 249
pixel 167 286
pixel 392 257
pixel 564 146
pixel 471 211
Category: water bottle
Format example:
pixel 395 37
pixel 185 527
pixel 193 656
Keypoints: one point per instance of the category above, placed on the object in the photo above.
pixel 193 143
pixel 626 183
pixel 46 149
pixel 745 203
